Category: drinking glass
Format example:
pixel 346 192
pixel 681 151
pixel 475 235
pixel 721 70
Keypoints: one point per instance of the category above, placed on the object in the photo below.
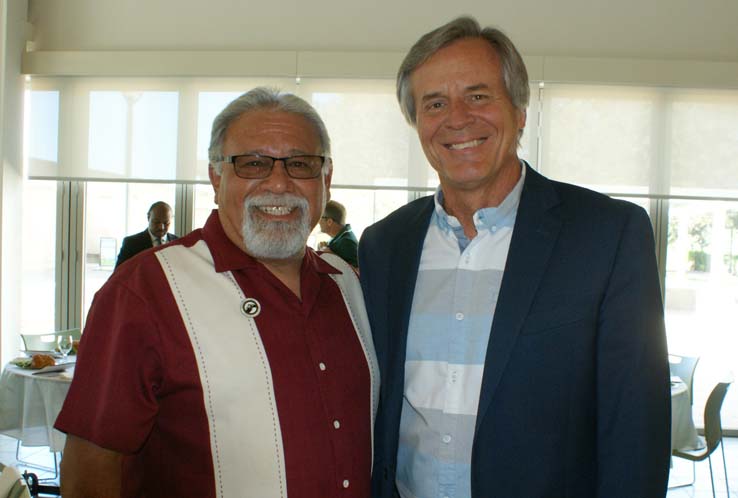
pixel 65 344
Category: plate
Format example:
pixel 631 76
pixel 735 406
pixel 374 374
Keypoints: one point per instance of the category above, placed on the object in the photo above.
pixel 31 352
pixel 25 363
pixel 56 368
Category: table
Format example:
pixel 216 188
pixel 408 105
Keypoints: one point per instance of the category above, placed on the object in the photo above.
pixel 683 433
pixel 29 405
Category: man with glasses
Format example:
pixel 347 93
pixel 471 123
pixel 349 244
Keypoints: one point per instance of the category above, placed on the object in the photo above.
pixel 234 361
pixel 517 320
pixel 343 241
pixel 160 217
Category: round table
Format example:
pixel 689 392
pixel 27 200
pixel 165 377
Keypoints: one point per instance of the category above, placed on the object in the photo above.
pixel 29 405
pixel 683 433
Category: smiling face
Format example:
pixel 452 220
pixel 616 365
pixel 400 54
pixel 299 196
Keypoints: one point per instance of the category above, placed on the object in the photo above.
pixel 466 122
pixel 266 217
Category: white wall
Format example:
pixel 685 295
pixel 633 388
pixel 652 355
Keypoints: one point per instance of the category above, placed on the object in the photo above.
pixel 12 39
pixel 654 29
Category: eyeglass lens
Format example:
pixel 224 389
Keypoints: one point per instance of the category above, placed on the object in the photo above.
pixel 257 166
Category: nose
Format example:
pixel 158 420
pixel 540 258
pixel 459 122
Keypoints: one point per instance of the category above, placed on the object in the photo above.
pixel 458 114
pixel 278 181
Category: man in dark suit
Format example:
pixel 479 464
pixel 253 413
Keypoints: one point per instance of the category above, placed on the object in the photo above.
pixel 517 321
pixel 160 217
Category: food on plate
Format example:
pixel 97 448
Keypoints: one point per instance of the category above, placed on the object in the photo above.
pixel 22 362
pixel 42 360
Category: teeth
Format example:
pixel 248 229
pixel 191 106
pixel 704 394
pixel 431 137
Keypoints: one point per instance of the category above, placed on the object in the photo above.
pixel 466 145
pixel 276 210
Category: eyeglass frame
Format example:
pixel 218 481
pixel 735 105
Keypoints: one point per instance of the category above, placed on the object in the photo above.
pixel 232 160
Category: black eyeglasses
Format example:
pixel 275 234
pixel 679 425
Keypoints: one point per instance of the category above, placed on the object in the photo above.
pixel 257 166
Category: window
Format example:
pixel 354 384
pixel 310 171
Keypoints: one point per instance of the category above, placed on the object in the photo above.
pixel 669 150
pixel 39 239
pixel 702 293
pixel 113 211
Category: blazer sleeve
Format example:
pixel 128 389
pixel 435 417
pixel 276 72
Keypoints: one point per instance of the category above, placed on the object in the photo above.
pixel 126 251
pixel 633 391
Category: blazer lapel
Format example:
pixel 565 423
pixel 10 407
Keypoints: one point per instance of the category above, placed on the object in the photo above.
pixel 536 228
pixel 403 273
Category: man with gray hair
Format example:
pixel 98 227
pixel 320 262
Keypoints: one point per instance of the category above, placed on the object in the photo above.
pixel 518 320
pixel 234 361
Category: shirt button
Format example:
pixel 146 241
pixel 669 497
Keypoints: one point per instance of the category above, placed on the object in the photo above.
pixel 345 483
pixel 459 316
pixel 336 424
pixel 446 438
pixel 321 366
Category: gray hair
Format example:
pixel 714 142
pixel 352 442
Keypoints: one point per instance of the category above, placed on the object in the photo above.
pixel 514 74
pixel 257 99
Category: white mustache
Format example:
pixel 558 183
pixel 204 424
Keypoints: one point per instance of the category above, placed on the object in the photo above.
pixel 286 200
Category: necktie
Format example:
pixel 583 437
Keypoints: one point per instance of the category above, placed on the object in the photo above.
pixel 158 241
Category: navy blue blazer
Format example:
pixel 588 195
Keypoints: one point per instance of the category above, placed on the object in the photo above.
pixel 575 397
pixel 134 244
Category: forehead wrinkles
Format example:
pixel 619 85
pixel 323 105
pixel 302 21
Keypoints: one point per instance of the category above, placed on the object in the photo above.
pixel 264 128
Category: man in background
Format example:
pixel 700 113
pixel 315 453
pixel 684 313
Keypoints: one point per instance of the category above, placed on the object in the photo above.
pixel 234 361
pixel 160 217
pixel 517 320
pixel 343 241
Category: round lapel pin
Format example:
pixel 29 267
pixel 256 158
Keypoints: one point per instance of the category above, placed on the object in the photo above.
pixel 250 307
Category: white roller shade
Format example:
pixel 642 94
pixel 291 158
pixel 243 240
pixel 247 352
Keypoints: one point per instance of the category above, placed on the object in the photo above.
pixel 642 140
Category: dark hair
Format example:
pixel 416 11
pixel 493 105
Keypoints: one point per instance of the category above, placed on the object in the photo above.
pixel 514 74
pixel 335 211
pixel 158 204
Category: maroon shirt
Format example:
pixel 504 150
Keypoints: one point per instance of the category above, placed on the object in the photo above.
pixel 136 388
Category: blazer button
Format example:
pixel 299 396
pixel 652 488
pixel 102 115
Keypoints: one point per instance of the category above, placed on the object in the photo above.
pixel 386 473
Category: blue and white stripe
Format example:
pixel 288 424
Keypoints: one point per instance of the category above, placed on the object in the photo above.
pixel 453 307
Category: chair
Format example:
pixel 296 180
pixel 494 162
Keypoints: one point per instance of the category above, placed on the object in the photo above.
pixel 713 435
pixel 47 342
pixel 684 367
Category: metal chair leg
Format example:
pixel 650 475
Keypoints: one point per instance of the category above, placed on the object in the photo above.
pixel 712 481
pixel 35 465
pixel 725 468
pixel 688 484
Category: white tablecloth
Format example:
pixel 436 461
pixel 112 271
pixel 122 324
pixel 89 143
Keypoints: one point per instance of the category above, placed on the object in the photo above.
pixel 683 433
pixel 29 405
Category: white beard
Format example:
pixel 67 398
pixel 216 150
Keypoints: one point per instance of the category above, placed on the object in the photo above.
pixel 272 239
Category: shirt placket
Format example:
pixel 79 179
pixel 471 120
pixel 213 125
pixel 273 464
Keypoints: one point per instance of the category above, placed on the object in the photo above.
pixel 323 370
pixel 458 329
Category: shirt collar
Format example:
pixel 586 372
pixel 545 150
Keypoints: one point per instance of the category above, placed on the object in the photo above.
pixel 485 218
pixel 153 237
pixel 227 256
pixel 345 229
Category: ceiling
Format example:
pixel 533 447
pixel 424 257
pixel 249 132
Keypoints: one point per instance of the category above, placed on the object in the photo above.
pixel 648 29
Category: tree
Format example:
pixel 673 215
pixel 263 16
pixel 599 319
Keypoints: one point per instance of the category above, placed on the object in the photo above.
pixel 699 232
pixel 731 223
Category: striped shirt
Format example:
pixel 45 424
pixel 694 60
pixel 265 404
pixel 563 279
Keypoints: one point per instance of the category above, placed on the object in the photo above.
pixel 453 306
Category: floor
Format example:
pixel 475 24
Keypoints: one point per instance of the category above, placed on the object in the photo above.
pixel 681 473
pixel 35 456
